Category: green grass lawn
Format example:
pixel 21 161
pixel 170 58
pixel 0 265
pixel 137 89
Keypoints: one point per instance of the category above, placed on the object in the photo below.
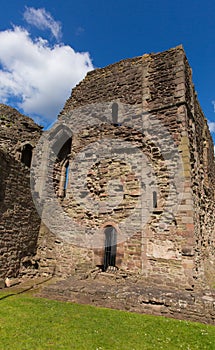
pixel 32 323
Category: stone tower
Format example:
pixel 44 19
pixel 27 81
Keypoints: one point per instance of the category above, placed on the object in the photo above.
pixel 157 217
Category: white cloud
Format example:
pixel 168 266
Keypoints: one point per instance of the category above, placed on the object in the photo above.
pixel 213 103
pixel 211 126
pixel 42 19
pixel 40 76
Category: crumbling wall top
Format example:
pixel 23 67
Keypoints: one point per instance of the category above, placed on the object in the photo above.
pixel 16 129
pixel 158 79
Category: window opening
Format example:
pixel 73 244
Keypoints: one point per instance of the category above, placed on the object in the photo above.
pixel 155 204
pixel 27 155
pixel 66 176
pixel 115 114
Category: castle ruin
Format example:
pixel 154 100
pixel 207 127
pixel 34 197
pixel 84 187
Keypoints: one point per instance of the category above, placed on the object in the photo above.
pixel 160 164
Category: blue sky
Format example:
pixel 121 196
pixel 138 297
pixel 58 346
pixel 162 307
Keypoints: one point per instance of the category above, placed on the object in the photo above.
pixel 43 40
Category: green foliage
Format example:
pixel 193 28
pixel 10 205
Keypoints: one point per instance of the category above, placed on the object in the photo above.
pixel 33 323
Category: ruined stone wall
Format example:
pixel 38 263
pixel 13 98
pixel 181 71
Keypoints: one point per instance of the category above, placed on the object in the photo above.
pixel 19 222
pixel 201 151
pixel 17 131
pixel 136 81
pixel 56 256
pixel 158 86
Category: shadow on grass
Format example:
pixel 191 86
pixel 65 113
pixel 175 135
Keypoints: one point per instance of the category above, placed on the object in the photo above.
pixel 28 288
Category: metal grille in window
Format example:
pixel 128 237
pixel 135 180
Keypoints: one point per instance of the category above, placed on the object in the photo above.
pixel 110 247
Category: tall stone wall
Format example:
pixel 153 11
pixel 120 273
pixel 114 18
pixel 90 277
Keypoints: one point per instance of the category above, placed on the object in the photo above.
pixel 181 250
pixel 19 222
pixel 203 184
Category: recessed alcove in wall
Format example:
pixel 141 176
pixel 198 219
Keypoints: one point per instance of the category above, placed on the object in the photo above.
pixel 26 154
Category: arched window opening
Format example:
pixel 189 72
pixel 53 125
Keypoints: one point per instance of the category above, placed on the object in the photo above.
pixel 66 176
pixel 26 155
pixel 61 167
pixel 65 149
pixel 155 203
pixel 64 180
pixel 115 114
pixel 110 247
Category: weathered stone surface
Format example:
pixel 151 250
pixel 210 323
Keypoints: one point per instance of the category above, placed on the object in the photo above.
pixel 16 130
pixel 123 291
pixel 19 222
pixel 2 283
pixel 180 250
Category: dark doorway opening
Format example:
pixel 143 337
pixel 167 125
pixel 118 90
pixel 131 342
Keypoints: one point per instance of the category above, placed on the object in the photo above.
pixel 110 247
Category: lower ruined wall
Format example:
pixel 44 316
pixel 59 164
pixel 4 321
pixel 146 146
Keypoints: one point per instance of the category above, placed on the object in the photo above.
pixel 159 265
pixel 19 222
pixel 57 257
